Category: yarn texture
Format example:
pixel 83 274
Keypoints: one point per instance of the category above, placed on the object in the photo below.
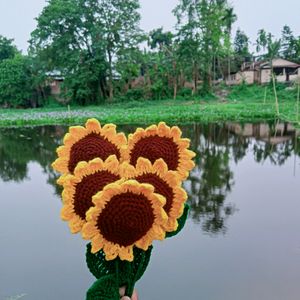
pixel 121 194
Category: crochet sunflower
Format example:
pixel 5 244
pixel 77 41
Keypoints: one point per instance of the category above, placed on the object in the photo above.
pixel 122 194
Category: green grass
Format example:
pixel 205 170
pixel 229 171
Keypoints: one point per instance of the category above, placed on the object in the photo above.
pixel 245 104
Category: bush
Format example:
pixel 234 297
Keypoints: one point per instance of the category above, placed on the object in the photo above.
pixel 135 94
pixel 185 93
pixel 16 83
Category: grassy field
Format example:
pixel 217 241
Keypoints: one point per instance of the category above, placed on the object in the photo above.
pixel 237 107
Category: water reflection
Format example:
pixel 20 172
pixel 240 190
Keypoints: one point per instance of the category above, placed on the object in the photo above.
pixel 217 147
pixel 20 146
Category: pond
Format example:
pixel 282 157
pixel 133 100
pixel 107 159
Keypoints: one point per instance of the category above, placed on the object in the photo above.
pixel 241 241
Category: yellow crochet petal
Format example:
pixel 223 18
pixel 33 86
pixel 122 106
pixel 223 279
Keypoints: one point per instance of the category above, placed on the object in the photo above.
pixel 60 165
pixel 163 129
pixel 161 167
pixel 69 140
pixel 151 130
pixel 66 212
pixel 172 225
pixel 93 125
pixel 61 180
pixel 184 144
pixel 112 164
pixel 92 213
pixel 126 253
pixel 143 244
pixel 75 225
pixel 158 232
pixel 62 150
pixel 97 243
pixel 109 130
pixel 77 132
pixel 121 138
pixel 176 133
pixel 143 165
pixel 89 230
pixel 127 171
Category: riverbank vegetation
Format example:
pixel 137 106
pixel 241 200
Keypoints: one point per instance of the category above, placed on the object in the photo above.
pixel 237 106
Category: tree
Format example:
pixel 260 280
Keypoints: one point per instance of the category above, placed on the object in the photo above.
pixel 120 29
pixel 202 27
pixel 83 39
pixel 16 83
pixel 241 46
pixel 266 42
pixel 229 18
pixel 289 44
pixel 159 38
pixel 262 41
pixel 168 56
pixel 7 49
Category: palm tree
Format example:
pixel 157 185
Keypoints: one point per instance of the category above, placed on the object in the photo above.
pixel 229 19
pixel 273 48
pixel 265 42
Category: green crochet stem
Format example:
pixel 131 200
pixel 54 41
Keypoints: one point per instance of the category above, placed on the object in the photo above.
pixel 114 274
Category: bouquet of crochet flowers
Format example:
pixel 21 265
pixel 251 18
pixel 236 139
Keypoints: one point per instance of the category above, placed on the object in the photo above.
pixel 122 194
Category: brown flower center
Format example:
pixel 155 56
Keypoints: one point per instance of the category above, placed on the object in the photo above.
pixel 160 186
pixel 88 187
pixel 91 146
pixel 126 218
pixel 155 147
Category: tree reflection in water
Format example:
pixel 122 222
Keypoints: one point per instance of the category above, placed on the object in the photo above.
pixel 20 146
pixel 211 180
pixel 217 147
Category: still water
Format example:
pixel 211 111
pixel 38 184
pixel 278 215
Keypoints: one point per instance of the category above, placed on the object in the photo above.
pixel 241 241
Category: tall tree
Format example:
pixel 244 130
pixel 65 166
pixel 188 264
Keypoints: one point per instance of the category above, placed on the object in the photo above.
pixel 120 28
pixel 229 18
pixel 263 38
pixel 241 44
pixel 272 47
pixel 203 24
pixel 241 48
pixel 82 39
pixel 168 56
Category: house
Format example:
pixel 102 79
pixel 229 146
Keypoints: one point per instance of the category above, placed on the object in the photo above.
pixel 260 72
pixel 55 80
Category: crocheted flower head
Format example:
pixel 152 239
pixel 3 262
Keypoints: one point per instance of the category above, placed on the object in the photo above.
pixel 88 179
pixel 126 214
pixel 166 183
pixel 163 142
pixel 87 143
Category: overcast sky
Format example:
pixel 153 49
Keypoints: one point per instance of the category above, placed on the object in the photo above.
pixel 17 16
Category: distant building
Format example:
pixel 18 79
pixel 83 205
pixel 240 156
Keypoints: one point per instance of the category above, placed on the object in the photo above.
pixel 260 72
pixel 55 80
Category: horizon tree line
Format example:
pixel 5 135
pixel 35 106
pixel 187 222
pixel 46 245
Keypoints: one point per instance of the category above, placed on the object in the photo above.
pixel 103 55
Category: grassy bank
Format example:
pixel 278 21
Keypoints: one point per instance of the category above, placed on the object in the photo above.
pixel 237 107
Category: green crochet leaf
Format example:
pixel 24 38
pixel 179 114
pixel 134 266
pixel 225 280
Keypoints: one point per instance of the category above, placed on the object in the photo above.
pixel 126 273
pixel 181 222
pixel 105 288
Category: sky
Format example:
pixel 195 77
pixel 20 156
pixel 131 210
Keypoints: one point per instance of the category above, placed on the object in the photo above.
pixel 17 17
